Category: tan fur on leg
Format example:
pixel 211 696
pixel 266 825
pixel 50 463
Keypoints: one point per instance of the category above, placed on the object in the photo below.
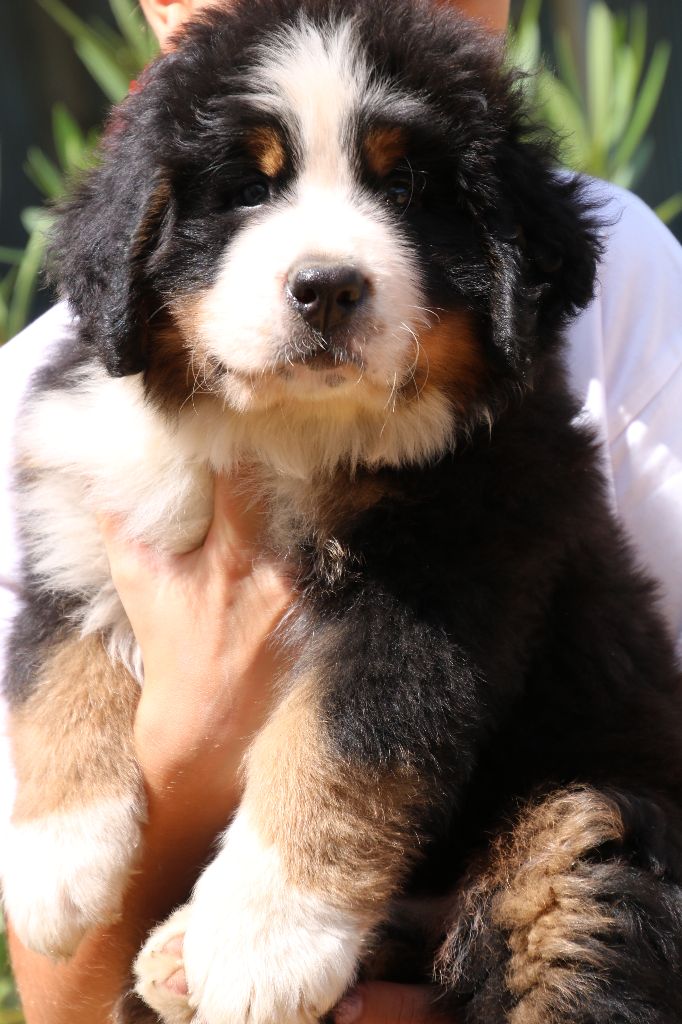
pixel 539 892
pixel 76 823
pixel 280 919
pixel 341 829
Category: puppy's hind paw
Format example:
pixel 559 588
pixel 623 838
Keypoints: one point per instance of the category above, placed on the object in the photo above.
pixel 159 971
pixel 66 872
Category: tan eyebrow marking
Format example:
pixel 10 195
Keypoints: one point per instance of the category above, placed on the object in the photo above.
pixel 384 147
pixel 267 148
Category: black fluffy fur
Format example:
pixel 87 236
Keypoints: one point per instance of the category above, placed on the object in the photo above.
pixel 498 632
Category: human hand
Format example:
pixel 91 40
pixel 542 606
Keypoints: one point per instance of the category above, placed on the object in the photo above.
pixel 382 1002
pixel 377 1002
pixel 203 622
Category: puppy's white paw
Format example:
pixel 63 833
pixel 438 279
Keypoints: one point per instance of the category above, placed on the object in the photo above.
pixel 154 965
pixel 260 950
pixel 65 873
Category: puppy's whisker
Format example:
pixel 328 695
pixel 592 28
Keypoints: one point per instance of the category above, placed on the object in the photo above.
pixel 163 306
pixel 411 371
pixel 430 315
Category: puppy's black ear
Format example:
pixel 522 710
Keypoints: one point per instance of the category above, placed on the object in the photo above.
pixel 102 244
pixel 544 245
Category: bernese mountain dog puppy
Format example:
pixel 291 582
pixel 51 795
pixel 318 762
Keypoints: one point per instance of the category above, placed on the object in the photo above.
pixel 323 241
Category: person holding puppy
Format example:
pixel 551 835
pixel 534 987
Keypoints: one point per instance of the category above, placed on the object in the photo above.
pixel 190 733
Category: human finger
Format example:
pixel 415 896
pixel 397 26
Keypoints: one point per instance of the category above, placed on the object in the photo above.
pixel 128 559
pixel 383 1002
pixel 236 520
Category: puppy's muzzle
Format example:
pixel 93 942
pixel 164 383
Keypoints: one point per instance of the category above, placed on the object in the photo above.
pixel 327 296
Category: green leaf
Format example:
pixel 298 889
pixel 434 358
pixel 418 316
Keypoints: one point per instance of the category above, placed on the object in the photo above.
pixel 6 284
pixel 599 76
pixel 624 92
pixel 104 53
pixel 25 286
pixel 109 36
pixel 44 174
pixel 36 218
pixel 69 140
pixel 525 52
pixel 12 256
pixel 670 209
pixel 627 175
pixel 638 34
pixel 65 18
pixel 112 80
pixel 567 66
pixel 646 104
pixel 561 112
pixel 524 41
pixel 132 26
pixel 530 15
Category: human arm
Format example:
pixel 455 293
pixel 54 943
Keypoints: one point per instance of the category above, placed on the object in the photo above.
pixel 190 736
pixel 625 360
pixel 218 606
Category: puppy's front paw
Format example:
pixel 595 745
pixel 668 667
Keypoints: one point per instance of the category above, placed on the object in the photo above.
pixel 157 962
pixel 260 949
pixel 65 873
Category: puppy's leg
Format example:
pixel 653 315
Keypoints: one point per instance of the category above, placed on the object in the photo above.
pixel 75 829
pixel 576 919
pixel 279 920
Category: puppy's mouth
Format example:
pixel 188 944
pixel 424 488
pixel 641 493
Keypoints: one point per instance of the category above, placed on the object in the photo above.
pixel 312 368
pixel 339 350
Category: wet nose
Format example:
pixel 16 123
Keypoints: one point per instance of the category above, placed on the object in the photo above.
pixel 326 294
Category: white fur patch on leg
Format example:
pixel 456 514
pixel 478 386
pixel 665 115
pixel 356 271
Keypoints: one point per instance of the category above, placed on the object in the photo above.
pixel 259 949
pixel 65 873
pixel 154 966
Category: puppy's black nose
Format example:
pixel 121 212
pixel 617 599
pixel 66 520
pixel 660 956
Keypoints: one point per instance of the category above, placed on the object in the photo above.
pixel 325 294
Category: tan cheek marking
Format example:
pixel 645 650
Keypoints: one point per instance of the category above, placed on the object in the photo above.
pixel 341 829
pixel 72 740
pixel 384 148
pixel 168 375
pixel 179 367
pixel 450 359
pixel 266 147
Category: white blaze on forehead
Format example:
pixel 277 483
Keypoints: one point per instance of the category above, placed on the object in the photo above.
pixel 315 77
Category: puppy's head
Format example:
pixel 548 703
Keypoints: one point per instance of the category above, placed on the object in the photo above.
pixel 316 207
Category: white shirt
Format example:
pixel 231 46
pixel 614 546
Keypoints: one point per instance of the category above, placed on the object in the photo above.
pixel 625 357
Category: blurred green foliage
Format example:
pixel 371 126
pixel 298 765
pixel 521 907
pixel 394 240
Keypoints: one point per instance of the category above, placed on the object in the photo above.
pixel 113 57
pixel 600 116
pixel 10 1012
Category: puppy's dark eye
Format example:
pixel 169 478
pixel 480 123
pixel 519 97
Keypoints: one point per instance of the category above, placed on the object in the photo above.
pixel 255 193
pixel 402 189
pixel 398 193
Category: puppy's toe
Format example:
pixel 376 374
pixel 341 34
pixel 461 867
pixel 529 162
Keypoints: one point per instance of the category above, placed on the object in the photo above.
pixel 159 971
